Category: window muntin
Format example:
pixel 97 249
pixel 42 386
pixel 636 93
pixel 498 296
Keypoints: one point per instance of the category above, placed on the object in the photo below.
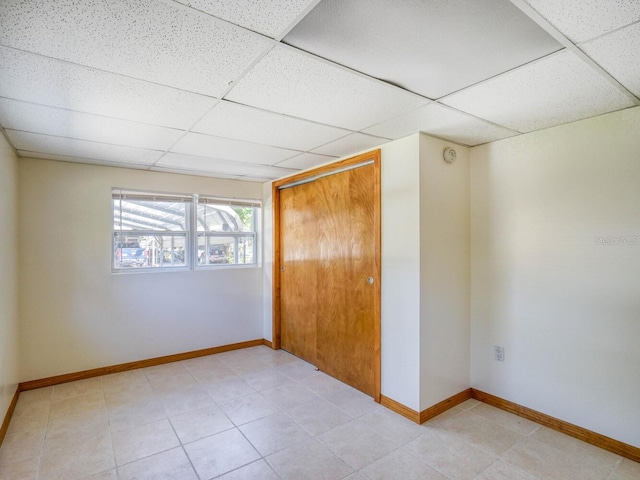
pixel 153 230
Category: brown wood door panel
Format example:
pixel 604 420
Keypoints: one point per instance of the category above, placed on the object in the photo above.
pixel 298 279
pixel 345 319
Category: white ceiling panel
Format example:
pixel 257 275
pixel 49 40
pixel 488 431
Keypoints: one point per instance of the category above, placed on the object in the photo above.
pixel 199 173
pixel 305 160
pixel 619 54
pixel 581 20
pixel 69 147
pixel 227 149
pixel 297 84
pixel 34 118
pixel 442 122
pixel 144 39
pixel 432 48
pixel 203 164
pixel 38 79
pixel 270 173
pixel 555 90
pixel 351 144
pixel 240 122
pixel 269 18
pixel 71 159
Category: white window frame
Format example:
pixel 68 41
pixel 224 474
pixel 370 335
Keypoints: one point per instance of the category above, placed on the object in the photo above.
pixel 190 233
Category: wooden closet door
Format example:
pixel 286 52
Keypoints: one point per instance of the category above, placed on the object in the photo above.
pixel 327 254
pixel 298 277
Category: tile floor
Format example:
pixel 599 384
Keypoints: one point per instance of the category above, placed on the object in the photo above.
pixel 263 414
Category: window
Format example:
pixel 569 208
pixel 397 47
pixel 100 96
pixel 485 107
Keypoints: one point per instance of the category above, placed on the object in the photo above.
pixel 156 230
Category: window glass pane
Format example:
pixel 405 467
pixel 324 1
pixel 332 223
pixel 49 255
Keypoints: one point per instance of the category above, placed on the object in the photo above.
pixel 131 215
pixel 225 218
pixel 149 251
pixel 217 250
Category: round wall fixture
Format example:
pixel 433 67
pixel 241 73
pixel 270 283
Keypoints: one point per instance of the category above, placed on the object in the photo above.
pixel 449 155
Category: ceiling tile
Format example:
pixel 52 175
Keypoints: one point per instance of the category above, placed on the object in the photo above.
pixel 240 122
pixel 619 54
pixel 69 147
pixel 203 164
pixel 580 20
pixel 224 148
pixel 38 79
pixel 306 160
pixel 442 122
pixel 269 18
pixel 199 173
pixel 71 159
pixel 271 173
pixel 144 39
pixel 297 84
pixel 29 117
pixel 351 144
pixel 557 89
pixel 432 48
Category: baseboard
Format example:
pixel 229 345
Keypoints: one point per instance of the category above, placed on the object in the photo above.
pixel 444 405
pixel 429 413
pixel 267 343
pixel 123 367
pixel 601 441
pixel 8 415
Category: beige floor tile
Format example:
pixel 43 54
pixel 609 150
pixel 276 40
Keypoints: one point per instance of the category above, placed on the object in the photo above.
pixel 21 470
pixel 456 459
pixel 182 401
pixel 400 465
pixel 318 416
pixel 309 461
pixel 583 451
pixel 77 388
pixel 355 476
pixel 469 403
pixel 205 375
pixel 443 417
pixel 76 456
pixel 21 445
pixel 227 390
pixel 259 470
pixel 250 365
pixel 543 461
pixel 273 358
pixel 142 441
pixel 234 356
pixel 353 402
pixel 356 444
pixel 171 381
pixel 481 433
pixel 266 379
pixel 221 453
pixel 170 465
pixel 628 469
pixel 248 408
pixel 201 423
pixel 82 404
pixel 508 420
pixel 502 471
pixel 322 384
pixel 115 381
pixel 129 393
pixel 297 369
pixel 289 395
pixel 32 397
pixel 273 433
pixel 393 426
pixel 126 416
pixel 78 426
pixel 30 417
pixel 107 475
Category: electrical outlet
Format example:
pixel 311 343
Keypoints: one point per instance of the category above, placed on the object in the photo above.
pixel 498 353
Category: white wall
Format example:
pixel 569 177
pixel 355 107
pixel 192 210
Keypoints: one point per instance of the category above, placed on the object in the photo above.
pixel 444 272
pixel 76 314
pixel 400 265
pixel 546 286
pixel 9 374
pixel 267 261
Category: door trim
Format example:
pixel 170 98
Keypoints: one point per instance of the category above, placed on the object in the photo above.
pixel 317 173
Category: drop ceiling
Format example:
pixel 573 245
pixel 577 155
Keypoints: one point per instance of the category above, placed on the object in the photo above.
pixel 257 90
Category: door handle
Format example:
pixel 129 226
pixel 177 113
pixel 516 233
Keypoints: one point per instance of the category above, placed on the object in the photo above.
pixel 370 280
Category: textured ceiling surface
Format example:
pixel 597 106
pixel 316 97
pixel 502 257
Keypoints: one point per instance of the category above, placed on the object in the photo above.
pixel 257 90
